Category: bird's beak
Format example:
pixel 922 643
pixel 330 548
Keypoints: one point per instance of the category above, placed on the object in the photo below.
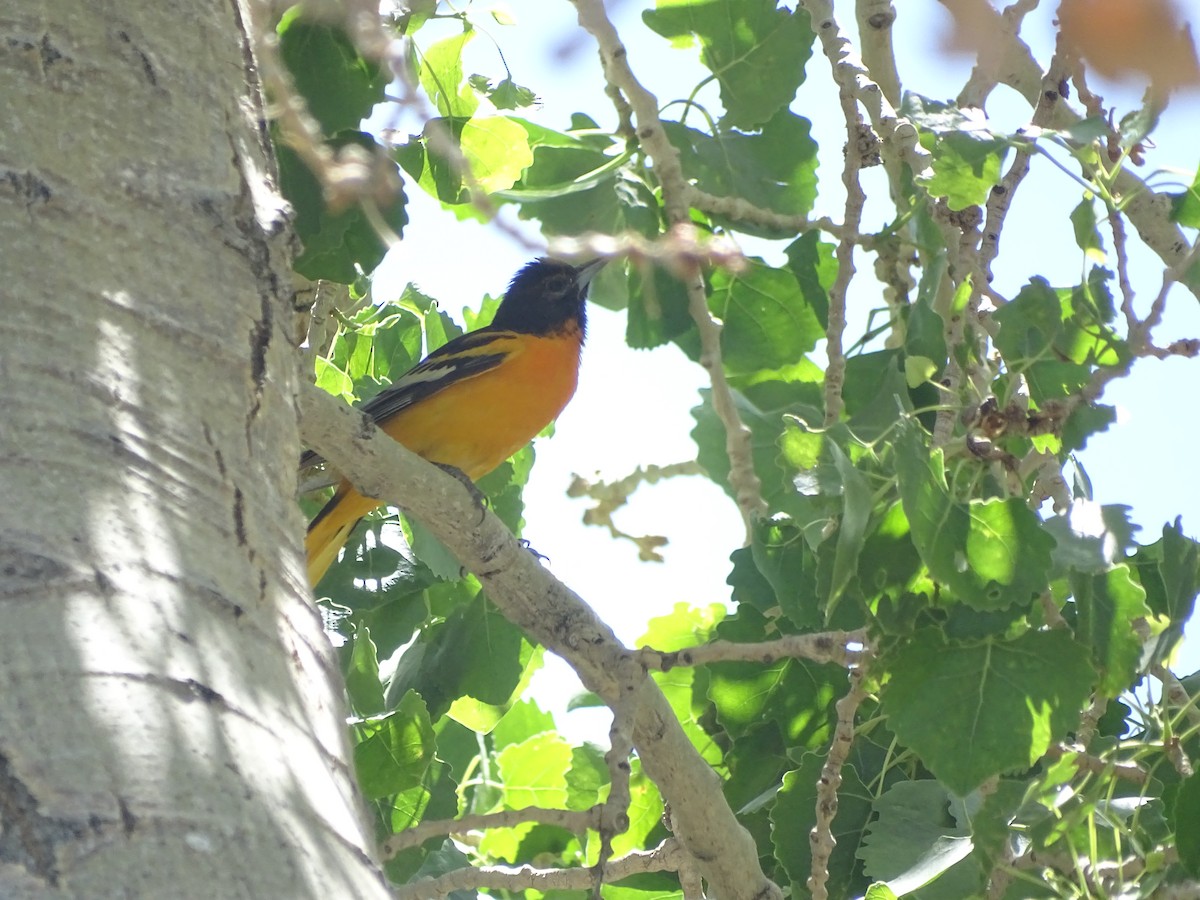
pixel 585 273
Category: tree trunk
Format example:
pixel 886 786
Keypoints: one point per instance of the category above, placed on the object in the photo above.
pixel 171 719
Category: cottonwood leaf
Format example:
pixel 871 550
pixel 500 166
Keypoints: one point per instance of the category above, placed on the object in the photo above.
pixel 982 708
pixel 914 843
pixel 991 553
pixel 756 49
pixel 794 815
pixel 398 751
pixel 1108 605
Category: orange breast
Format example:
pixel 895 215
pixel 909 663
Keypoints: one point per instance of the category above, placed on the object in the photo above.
pixel 478 423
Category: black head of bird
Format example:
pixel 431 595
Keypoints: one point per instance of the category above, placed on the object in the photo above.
pixel 546 296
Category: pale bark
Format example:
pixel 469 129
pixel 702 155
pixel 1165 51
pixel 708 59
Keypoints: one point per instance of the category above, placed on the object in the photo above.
pixel 171 720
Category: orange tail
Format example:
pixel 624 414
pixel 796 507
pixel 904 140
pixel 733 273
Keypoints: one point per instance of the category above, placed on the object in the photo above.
pixel 332 525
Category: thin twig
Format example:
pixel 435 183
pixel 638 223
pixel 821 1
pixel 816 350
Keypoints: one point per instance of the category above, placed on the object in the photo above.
pixel 652 136
pixel 821 838
pixel 575 821
pixel 663 858
pixel 843 648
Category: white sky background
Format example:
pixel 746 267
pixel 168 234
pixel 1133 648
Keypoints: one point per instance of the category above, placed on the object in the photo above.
pixel 633 407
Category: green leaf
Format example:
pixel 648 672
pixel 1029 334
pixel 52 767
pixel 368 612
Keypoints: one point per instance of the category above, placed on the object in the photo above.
pixel 441 75
pixel 982 708
pixel 534 772
pixel 658 309
pixel 925 333
pixel 756 50
pixel 786 561
pixel 1087 237
pixel 765 427
pixel 1185 820
pixel 362 675
pixel 914 842
pixel 1109 603
pixel 505 95
pixel 474 651
pixel 495 147
pixel 337 244
pixel 645 812
pixel 1090 537
pixel 1169 571
pixel 587 778
pixel 945 118
pixel 965 170
pixel 398 751
pixel 1056 336
pixel 813 263
pixel 523 720
pixel 767 323
pixel 1185 206
pixel 774 169
pixel 852 529
pixel 992 553
pixel 795 694
pixel 339 86
pixel 1175 561
pixel 794 816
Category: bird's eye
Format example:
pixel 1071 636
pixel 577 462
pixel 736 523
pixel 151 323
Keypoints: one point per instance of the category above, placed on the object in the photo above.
pixel 558 285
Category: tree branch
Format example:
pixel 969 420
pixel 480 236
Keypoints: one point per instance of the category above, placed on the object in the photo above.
pixel 821 837
pixel 572 820
pixel 531 597
pixel 593 18
pixel 843 648
pixel 666 857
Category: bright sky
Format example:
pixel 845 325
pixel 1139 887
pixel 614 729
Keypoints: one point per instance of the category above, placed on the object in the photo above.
pixel 633 407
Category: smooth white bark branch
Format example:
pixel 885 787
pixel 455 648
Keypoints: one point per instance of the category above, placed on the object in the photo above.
pixel 530 596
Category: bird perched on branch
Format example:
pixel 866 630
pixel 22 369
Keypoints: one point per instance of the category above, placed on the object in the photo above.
pixel 477 400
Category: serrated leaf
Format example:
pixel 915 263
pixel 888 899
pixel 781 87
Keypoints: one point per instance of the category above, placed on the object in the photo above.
pixel 852 528
pixel 788 564
pixel 991 553
pixel 1185 820
pixel 1185 206
pixel 587 778
pixel 510 95
pixel 913 843
pixel 756 50
pixel 813 263
pixel 1087 236
pixel 947 118
pixel 978 709
pixel 339 85
pixel 918 370
pixel 645 812
pixel 1089 537
pixel 495 147
pixel 474 651
pixel 399 750
pixel 794 815
pixel 523 720
pixel 441 75
pixel 533 772
pixel 362 674
pixel 336 244
pixel 765 427
pixel 774 169
pixel 767 322
pixel 1109 603
pixel 964 170
pixel 797 695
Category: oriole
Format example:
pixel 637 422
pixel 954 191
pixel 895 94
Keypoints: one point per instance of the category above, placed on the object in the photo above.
pixel 478 399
